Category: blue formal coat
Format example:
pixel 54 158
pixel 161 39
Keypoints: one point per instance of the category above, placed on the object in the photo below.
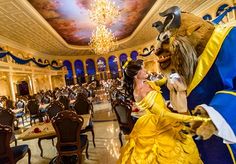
pixel 214 84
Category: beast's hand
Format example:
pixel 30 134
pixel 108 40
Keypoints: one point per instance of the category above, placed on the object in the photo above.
pixel 178 97
pixel 206 130
pixel 203 129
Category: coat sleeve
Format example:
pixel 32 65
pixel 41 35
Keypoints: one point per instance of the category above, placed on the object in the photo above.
pixel 222 111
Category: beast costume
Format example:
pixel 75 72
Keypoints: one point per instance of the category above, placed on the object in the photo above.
pixel 214 88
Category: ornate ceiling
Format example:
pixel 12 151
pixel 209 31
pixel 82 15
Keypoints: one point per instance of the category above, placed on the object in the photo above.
pixel 71 18
pixel 44 27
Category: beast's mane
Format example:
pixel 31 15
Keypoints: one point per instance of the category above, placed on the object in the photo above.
pixel 184 57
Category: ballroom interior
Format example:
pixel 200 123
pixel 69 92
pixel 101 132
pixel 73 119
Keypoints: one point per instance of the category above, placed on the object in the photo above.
pixel 72 48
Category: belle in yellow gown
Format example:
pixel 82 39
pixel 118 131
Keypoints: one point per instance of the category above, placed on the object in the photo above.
pixel 157 136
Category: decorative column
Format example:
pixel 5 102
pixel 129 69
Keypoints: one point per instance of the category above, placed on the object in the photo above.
pixel 119 72
pixel 32 77
pixel 50 82
pixel 85 71
pixel 118 62
pixel 64 80
pixel 106 69
pixel 97 75
pixel 63 74
pixel 118 65
pixel 74 72
pixel 30 84
pixel 10 79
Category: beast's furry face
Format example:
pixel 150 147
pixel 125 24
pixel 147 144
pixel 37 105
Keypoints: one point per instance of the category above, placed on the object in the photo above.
pixel 164 55
pixel 179 55
pixel 185 45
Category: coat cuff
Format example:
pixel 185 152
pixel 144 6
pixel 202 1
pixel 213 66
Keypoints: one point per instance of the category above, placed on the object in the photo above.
pixel 223 128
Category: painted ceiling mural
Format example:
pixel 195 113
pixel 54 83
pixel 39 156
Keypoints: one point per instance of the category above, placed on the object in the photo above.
pixel 70 18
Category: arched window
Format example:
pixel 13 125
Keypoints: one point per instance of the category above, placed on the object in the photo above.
pixel 221 9
pixel 69 75
pixel 134 55
pixel 79 70
pixel 46 61
pixel 54 63
pixel 40 61
pixel 112 61
pixel 101 64
pixel 207 17
pixel 91 70
pixel 123 59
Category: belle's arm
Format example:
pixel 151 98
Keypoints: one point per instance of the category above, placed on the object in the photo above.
pixel 154 101
pixel 180 117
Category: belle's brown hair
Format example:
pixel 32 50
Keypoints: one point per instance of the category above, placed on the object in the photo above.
pixel 130 71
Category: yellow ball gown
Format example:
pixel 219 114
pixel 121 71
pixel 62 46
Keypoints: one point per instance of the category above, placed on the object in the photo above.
pixel 157 137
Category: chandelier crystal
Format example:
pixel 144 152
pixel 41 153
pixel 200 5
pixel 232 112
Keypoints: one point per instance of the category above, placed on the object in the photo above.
pixel 102 40
pixel 103 12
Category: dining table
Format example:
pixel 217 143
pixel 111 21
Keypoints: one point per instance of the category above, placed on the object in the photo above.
pixel 45 129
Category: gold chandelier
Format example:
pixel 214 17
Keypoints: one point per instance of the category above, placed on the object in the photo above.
pixel 103 12
pixel 102 40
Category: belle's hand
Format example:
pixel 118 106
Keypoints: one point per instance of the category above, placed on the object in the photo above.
pixel 203 129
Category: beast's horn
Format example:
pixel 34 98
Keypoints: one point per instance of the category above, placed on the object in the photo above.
pixel 173 19
pixel 159 26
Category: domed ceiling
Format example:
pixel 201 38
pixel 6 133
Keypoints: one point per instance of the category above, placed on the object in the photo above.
pixel 70 18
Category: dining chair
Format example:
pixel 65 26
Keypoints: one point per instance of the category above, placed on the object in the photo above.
pixel 9 104
pixel 65 101
pixel 82 94
pixel 52 109
pixel 20 105
pixel 11 154
pixel 70 142
pixel 72 96
pixel 33 107
pixel 45 99
pixel 123 113
pixel 7 117
pixel 83 106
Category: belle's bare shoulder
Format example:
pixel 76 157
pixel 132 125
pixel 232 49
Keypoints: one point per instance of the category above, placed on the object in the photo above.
pixel 141 92
pixel 137 98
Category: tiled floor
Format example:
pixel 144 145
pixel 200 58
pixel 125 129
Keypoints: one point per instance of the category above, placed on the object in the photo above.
pixel 106 151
